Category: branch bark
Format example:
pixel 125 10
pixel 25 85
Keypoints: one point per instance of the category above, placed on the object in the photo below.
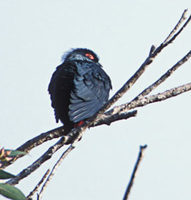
pixel 137 164
pixel 29 197
pixel 69 149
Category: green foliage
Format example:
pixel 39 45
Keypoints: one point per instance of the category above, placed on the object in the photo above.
pixel 5 175
pixel 8 190
pixel 11 192
pixel 16 153
pixel 8 154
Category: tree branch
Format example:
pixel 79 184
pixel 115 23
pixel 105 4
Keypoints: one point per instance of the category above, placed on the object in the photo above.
pixel 164 76
pixel 183 17
pixel 105 119
pixel 35 165
pixel 131 105
pixel 153 53
pixel 162 96
pixel 173 37
pixel 152 99
pixel 137 164
pixel 29 197
pixel 69 149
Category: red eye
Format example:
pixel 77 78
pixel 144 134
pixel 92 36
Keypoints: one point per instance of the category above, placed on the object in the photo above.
pixel 89 56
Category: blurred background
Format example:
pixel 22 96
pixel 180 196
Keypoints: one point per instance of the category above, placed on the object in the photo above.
pixel 33 37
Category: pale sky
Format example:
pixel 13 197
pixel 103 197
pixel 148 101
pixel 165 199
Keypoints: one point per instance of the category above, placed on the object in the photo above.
pixel 33 37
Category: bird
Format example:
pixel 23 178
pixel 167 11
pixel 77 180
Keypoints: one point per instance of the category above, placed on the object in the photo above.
pixel 78 88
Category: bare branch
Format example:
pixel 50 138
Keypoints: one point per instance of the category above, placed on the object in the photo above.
pixel 165 95
pixel 137 164
pixel 69 149
pixel 131 105
pixel 183 17
pixel 175 35
pixel 107 119
pixel 29 197
pixel 34 142
pixel 153 53
pixel 43 137
pixel 47 155
pixel 153 98
pixel 164 76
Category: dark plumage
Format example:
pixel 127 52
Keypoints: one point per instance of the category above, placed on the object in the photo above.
pixel 78 88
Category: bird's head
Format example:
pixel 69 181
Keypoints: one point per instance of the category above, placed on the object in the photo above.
pixel 80 54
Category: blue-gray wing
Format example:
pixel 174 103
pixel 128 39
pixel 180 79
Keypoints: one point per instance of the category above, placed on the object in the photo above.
pixel 90 92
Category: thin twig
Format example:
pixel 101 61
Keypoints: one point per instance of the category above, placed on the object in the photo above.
pixel 175 35
pixel 104 119
pixel 47 155
pixel 49 135
pixel 29 197
pixel 137 164
pixel 183 17
pixel 69 149
pixel 107 119
pixel 156 97
pixel 128 84
pixel 164 76
pixel 153 53
pixel 130 105
pixel 36 141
